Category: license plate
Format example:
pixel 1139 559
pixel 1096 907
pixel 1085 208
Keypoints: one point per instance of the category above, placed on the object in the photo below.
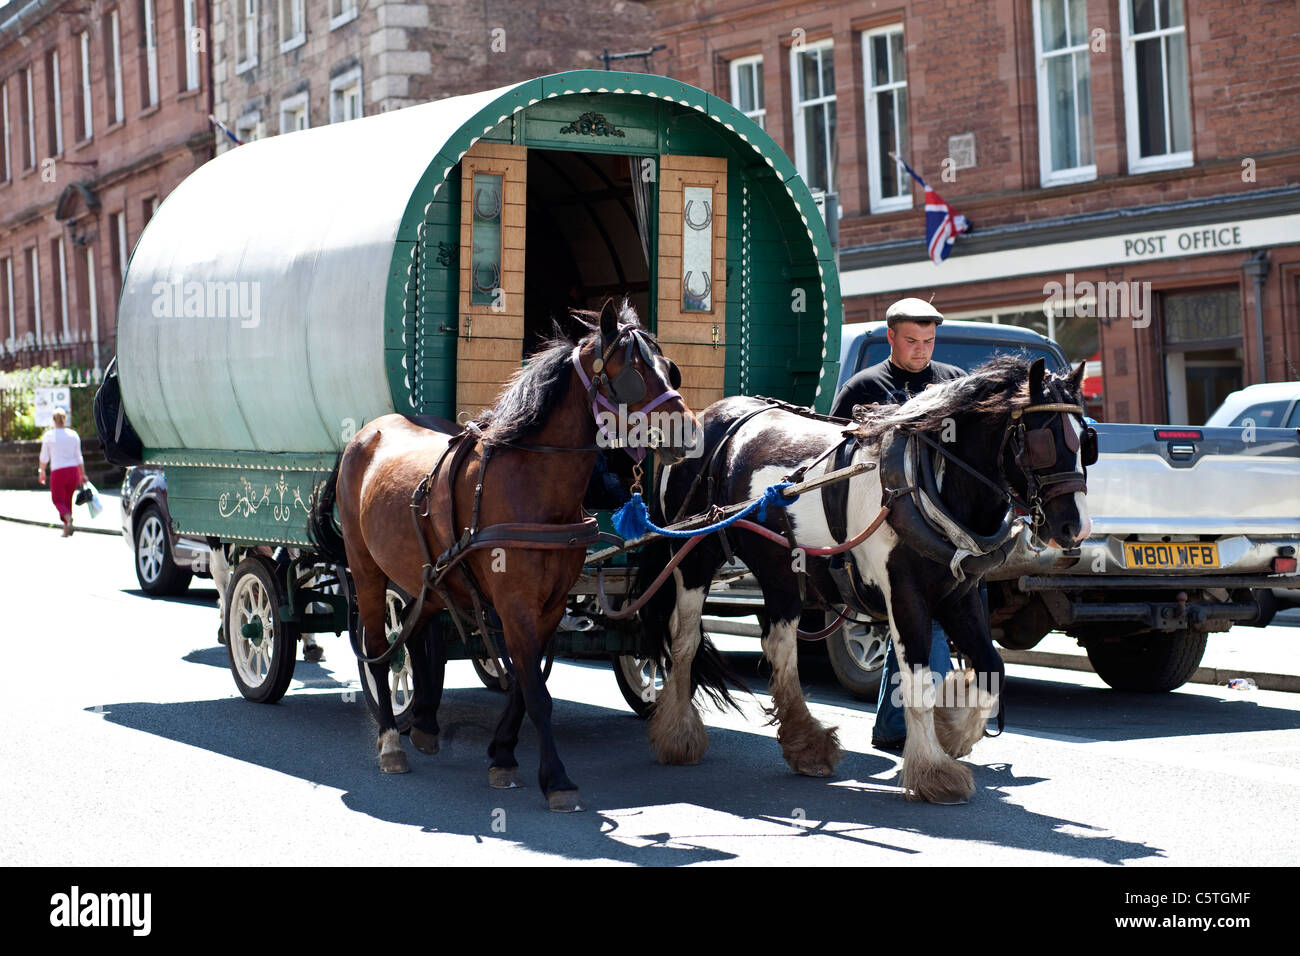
pixel 1144 555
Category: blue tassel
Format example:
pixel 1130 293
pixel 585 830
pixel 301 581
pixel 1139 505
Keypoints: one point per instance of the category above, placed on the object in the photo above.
pixel 631 521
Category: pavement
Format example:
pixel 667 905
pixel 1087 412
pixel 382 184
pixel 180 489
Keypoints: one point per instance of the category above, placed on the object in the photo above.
pixel 1270 656
pixel 35 507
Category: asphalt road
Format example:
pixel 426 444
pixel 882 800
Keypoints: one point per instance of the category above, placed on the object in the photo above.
pixel 127 743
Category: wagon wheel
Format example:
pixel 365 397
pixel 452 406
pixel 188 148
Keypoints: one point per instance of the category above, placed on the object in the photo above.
pixel 261 648
pixel 486 669
pixel 401 675
pixel 641 679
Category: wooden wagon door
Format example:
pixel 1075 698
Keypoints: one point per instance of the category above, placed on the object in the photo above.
pixel 692 272
pixel 493 217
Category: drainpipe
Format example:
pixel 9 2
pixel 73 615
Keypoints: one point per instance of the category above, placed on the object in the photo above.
pixel 1257 267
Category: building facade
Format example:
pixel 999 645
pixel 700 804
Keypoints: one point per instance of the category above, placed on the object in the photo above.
pixel 1129 167
pixel 103 110
pixel 283 65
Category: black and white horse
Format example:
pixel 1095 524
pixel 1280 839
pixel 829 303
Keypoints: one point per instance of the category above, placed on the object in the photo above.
pixel 955 464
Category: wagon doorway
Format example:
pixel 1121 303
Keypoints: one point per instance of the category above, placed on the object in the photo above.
pixel 588 238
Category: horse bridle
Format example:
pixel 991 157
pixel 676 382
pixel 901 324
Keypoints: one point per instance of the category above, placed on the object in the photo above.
pixel 627 387
pixel 1034 451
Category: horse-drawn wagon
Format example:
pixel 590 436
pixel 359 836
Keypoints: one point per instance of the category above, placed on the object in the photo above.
pixel 294 289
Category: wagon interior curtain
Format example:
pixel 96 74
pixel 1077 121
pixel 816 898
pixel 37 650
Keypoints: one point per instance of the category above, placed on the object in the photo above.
pixel 641 186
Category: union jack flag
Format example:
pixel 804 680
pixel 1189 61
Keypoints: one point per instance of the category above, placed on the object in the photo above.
pixel 225 129
pixel 942 222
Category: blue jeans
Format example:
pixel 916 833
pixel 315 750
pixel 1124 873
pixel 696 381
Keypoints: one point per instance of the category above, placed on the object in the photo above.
pixel 889 717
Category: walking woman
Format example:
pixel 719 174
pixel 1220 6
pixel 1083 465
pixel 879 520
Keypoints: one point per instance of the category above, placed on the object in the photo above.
pixel 61 455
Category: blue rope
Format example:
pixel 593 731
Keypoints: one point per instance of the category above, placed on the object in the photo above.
pixel 632 522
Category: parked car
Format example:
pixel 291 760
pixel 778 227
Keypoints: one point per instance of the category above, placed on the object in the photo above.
pixel 1270 405
pixel 165 562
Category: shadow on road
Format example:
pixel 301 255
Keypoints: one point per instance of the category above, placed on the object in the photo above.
pixel 329 740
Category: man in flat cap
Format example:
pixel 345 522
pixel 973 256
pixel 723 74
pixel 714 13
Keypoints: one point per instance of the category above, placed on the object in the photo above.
pixel 908 370
pixel 904 374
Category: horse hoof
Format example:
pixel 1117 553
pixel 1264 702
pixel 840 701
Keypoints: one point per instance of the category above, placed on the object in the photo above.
pixel 424 742
pixel 394 762
pixel 565 801
pixel 815 770
pixel 505 778
pixel 313 654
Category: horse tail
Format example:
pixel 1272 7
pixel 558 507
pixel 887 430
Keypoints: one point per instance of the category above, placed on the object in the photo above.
pixel 709 671
pixel 321 526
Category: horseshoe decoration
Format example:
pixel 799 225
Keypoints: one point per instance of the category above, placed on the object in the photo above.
pixel 491 286
pixel 493 209
pixel 708 215
pixel 695 301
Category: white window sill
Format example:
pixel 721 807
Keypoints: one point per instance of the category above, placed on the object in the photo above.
pixel 343 18
pixel 1151 164
pixel 293 43
pixel 893 204
pixel 245 66
pixel 1066 177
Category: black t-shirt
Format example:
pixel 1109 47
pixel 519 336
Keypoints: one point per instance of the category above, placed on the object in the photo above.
pixel 887 384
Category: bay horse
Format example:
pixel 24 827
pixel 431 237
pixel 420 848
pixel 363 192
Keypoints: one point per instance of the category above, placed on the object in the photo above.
pixel 949 463
pixel 542 441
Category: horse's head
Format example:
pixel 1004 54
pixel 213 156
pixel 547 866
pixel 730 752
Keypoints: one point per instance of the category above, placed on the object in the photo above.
pixel 1046 449
pixel 633 387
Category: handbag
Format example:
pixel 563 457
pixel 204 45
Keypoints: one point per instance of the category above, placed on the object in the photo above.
pixel 88 495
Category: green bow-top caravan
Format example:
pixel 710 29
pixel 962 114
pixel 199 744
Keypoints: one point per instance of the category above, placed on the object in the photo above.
pixel 294 288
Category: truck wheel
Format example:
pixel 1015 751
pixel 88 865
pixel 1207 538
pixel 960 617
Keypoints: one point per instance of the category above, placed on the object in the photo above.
pixel 1152 663
pixel 857 653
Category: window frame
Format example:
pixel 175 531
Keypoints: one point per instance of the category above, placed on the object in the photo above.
pixel 1075 174
pixel 734 67
pixel 293 104
pixel 246 34
pixel 348 11
pixel 293 41
pixel 113 48
pixel 877 202
pixel 87 100
pixel 342 82
pixel 797 106
pixel 6 172
pixel 52 69
pixel 149 85
pixel 1128 41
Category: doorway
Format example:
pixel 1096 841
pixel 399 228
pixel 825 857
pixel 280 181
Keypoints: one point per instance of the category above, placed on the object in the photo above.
pixel 584 241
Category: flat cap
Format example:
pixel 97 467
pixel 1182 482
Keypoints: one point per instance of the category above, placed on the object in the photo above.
pixel 915 310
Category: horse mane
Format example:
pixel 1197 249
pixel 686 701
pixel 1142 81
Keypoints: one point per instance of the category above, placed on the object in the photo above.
pixel 999 385
pixel 536 389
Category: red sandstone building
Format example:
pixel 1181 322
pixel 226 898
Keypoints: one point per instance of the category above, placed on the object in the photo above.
pixel 103 110
pixel 1131 168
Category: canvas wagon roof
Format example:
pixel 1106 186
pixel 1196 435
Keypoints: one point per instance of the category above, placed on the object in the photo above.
pixel 253 310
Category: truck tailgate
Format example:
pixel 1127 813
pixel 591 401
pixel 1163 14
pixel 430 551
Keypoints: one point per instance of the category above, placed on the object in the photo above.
pixel 1182 480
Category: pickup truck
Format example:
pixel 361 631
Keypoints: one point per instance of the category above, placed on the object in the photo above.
pixel 1191 528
